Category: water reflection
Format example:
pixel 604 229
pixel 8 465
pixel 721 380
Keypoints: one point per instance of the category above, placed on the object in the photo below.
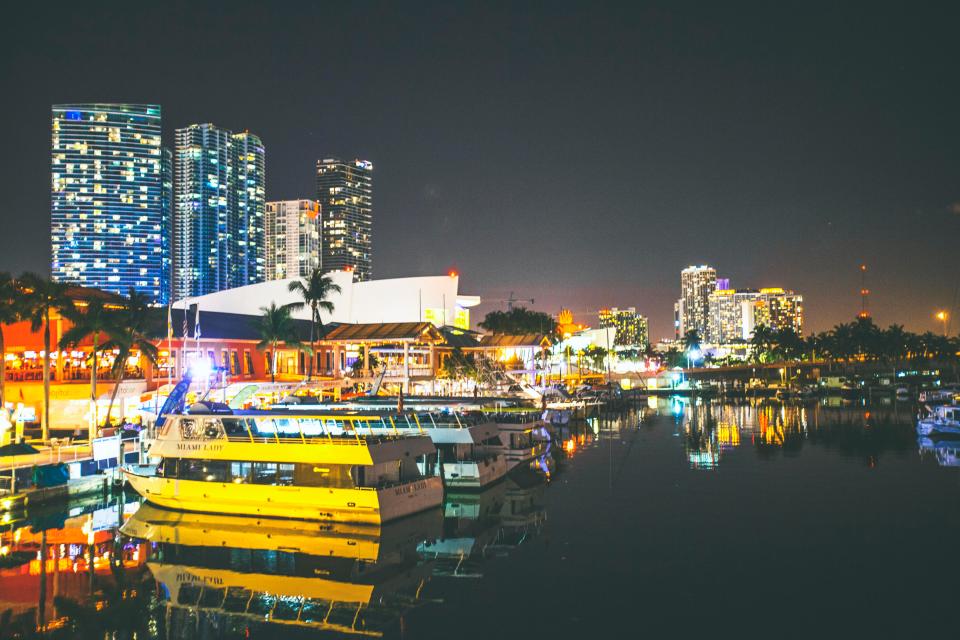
pixel 946 451
pixel 711 430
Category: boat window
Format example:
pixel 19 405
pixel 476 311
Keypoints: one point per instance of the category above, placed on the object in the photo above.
pixel 190 429
pixel 262 603
pixel 264 473
pixel 263 427
pixel 212 428
pixel 212 597
pixel 314 610
pixel 241 472
pixel 288 608
pixel 236 599
pixel 189 594
pixel 285 474
pixel 234 427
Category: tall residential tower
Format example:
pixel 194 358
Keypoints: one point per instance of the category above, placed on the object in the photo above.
pixel 696 285
pixel 108 221
pixel 345 192
pixel 220 208
pixel 293 238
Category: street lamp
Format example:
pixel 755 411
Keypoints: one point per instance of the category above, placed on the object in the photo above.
pixel 942 317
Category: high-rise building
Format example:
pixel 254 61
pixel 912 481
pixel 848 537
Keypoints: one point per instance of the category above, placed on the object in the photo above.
pixel 779 309
pixel 220 207
pixel 293 229
pixel 731 316
pixel 632 329
pixel 166 208
pixel 250 174
pixel 678 319
pixel 735 314
pixel 345 192
pixel 107 225
pixel 696 285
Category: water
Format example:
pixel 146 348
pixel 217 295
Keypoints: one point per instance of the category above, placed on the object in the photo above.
pixel 678 519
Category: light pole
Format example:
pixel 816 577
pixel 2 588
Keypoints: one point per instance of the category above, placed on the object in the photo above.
pixel 942 317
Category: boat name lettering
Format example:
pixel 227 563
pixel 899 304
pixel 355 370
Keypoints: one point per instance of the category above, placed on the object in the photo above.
pixel 189 577
pixel 410 488
pixel 198 446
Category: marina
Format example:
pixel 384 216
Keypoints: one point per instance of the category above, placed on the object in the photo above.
pixel 745 486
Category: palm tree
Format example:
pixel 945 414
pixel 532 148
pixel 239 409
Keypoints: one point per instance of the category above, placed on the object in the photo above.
pixel 314 290
pixel 96 320
pixel 132 330
pixel 10 312
pixel 275 326
pixel 41 296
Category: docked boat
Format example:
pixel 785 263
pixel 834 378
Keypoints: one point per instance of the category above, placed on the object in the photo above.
pixel 305 466
pixel 467 443
pixel 943 419
pixel 524 438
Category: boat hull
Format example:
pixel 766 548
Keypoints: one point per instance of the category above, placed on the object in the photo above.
pixel 357 505
pixel 475 474
pixel 932 427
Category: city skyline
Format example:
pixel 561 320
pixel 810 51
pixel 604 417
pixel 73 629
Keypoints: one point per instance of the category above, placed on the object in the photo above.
pixel 784 177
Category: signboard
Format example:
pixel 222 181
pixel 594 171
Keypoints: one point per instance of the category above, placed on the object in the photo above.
pixel 106 448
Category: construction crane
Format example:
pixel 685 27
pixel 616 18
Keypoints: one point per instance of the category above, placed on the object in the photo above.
pixel 512 300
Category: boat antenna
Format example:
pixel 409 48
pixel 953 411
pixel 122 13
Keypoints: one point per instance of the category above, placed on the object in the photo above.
pixel 864 294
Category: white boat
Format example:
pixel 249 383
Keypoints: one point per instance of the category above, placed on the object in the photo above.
pixel 467 444
pixel 524 438
pixel 312 467
pixel 944 418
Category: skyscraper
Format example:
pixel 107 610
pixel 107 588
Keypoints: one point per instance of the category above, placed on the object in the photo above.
pixel 220 201
pixel 631 327
pixel 696 285
pixel 250 169
pixel 292 238
pixel 345 192
pixel 735 314
pixel 107 215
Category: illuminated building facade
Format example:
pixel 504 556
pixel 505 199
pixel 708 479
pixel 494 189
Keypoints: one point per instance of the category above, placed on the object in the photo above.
pixel 345 192
pixel 293 229
pixel 696 285
pixel 108 228
pixel 734 314
pixel 249 164
pixel 731 316
pixel 632 329
pixel 779 309
pixel 220 209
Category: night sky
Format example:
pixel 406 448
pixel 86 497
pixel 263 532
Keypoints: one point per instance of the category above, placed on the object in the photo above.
pixel 578 154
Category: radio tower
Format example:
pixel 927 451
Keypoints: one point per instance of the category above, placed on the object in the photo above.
pixel 864 294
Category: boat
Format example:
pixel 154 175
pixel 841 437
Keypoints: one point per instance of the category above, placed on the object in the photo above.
pixel 524 438
pixel 466 442
pixel 943 419
pixel 943 395
pixel 306 466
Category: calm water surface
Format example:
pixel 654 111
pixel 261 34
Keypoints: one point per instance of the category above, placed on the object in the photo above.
pixel 676 519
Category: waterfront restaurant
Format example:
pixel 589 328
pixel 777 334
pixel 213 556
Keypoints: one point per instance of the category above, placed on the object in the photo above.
pixel 395 318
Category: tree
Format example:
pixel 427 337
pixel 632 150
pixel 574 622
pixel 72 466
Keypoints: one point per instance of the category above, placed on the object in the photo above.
pixel 596 357
pixel 97 319
pixel 10 312
pixel 314 290
pixel 357 365
pixel 41 297
pixel 458 365
pixel 132 330
pixel 275 326
pixel 763 342
pixel 691 340
pixel 518 321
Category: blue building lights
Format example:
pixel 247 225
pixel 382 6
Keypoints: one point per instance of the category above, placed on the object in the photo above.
pixel 110 225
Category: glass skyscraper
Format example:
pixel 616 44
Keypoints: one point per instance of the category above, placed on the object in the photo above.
pixel 108 228
pixel 220 201
pixel 293 238
pixel 345 192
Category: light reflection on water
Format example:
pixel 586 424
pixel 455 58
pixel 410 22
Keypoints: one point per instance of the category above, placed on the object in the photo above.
pixel 496 552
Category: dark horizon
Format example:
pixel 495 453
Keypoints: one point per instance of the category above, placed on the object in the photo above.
pixel 577 154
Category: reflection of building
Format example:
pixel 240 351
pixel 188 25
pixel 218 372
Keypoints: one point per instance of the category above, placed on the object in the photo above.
pixel 631 327
pixel 345 192
pixel 219 210
pixel 696 285
pixel 292 238
pixel 109 227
